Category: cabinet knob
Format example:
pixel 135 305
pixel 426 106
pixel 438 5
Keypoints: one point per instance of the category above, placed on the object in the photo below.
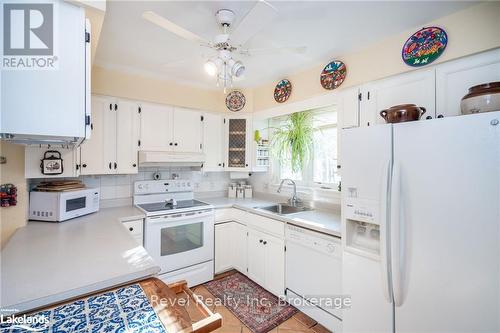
pixel 171 144
pixel 175 144
pixel 246 164
pixel 115 165
pixel 84 165
pixel 440 116
pixel 131 229
pixel 428 117
pixel 260 240
pixel 134 165
pixel 265 242
pixel 109 165
pixel 220 164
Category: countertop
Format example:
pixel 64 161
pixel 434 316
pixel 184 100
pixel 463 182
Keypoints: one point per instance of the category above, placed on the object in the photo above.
pixel 325 221
pixel 45 263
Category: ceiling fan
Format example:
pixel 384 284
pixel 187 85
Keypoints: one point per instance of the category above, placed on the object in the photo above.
pixel 231 40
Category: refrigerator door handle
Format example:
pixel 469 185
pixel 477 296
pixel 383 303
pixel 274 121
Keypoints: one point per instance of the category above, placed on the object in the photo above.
pixel 397 238
pixel 385 231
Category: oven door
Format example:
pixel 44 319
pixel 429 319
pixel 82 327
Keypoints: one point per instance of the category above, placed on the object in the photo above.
pixel 180 240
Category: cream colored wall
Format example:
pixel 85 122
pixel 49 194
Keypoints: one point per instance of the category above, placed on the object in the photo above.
pixel 470 31
pixel 13 172
pixel 120 84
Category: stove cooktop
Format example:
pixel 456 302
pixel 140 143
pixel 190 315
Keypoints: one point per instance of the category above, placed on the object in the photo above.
pixel 165 206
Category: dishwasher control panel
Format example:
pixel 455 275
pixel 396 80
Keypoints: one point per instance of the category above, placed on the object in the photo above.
pixel 328 244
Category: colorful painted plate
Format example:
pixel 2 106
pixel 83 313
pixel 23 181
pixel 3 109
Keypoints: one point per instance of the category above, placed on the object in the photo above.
pixel 424 46
pixel 333 75
pixel 282 91
pixel 235 101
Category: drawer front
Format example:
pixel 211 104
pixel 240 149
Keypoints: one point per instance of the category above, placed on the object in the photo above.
pixel 223 214
pixel 135 228
pixel 265 224
pixel 230 214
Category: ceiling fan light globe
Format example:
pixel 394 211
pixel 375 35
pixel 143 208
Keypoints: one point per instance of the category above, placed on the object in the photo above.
pixel 210 68
pixel 238 69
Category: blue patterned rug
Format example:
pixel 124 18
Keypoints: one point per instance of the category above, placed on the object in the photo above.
pixel 123 310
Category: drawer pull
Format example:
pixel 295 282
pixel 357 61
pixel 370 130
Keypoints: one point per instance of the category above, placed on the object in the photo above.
pixel 131 229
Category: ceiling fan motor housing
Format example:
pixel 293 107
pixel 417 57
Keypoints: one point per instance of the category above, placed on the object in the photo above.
pixel 225 17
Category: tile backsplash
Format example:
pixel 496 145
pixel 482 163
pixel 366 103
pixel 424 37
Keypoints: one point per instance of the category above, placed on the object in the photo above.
pixel 122 186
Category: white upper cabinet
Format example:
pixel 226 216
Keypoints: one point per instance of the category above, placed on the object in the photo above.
pixel 92 150
pixel 109 138
pixel 51 101
pixel 416 87
pixel 156 127
pixel 172 129
pixel 348 108
pixel 454 78
pixel 238 143
pixel 188 128
pixel 127 137
pixel 212 142
pixel 112 148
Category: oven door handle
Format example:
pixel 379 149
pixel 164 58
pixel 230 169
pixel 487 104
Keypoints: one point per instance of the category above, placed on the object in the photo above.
pixel 180 216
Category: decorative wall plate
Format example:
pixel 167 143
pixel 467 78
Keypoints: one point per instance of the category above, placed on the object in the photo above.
pixel 333 75
pixel 424 46
pixel 282 91
pixel 235 101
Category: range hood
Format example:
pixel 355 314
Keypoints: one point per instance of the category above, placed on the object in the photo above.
pixel 165 158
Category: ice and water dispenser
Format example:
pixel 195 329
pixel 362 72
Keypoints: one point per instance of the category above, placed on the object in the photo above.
pixel 362 227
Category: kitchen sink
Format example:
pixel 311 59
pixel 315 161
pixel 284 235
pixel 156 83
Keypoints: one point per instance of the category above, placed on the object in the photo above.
pixel 285 209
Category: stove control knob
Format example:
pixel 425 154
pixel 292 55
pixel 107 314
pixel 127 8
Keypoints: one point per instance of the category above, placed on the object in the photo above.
pixel 330 248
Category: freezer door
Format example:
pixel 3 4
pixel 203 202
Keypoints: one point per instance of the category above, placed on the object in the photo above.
pixel 445 224
pixel 365 277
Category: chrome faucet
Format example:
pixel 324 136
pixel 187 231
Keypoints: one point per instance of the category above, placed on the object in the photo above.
pixel 294 200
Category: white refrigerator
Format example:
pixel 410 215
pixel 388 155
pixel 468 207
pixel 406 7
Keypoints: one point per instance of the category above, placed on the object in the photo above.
pixel 421 226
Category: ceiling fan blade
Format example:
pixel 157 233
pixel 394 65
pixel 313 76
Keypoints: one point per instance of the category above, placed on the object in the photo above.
pixel 172 27
pixel 275 50
pixel 258 17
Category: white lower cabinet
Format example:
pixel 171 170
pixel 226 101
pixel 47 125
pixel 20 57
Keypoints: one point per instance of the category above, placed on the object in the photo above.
pixel 266 261
pixel 230 247
pixel 255 248
pixel 135 227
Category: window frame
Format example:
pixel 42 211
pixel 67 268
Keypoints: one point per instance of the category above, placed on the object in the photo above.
pixel 307 181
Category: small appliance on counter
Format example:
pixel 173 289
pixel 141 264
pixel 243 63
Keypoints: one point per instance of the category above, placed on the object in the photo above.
pixel 61 201
pixel 239 190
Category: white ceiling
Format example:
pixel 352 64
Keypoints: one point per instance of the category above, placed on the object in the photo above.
pixel 327 28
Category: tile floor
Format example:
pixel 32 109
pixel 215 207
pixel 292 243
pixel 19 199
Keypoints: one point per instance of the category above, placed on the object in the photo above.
pixel 298 323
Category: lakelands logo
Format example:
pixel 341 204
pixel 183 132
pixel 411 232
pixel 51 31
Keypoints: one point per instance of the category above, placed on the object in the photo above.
pixel 28 36
pixel 23 323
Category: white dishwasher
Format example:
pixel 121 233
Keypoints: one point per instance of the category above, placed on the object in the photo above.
pixel 314 274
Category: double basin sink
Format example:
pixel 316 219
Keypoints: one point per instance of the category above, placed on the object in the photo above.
pixel 285 209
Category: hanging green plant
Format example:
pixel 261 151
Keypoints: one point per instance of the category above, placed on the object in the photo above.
pixel 294 140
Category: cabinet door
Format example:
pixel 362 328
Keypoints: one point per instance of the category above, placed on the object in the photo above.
pixel 212 142
pixel 238 143
pixel 223 251
pixel 109 138
pixel 156 127
pixel 349 108
pixel 239 240
pixel 410 88
pixel 454 78
pixel 256 257
pixel 275 265
pixel 127 137
pixel 187 130
pixel 92 150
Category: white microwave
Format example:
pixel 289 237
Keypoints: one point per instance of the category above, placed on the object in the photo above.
pixel 62 206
